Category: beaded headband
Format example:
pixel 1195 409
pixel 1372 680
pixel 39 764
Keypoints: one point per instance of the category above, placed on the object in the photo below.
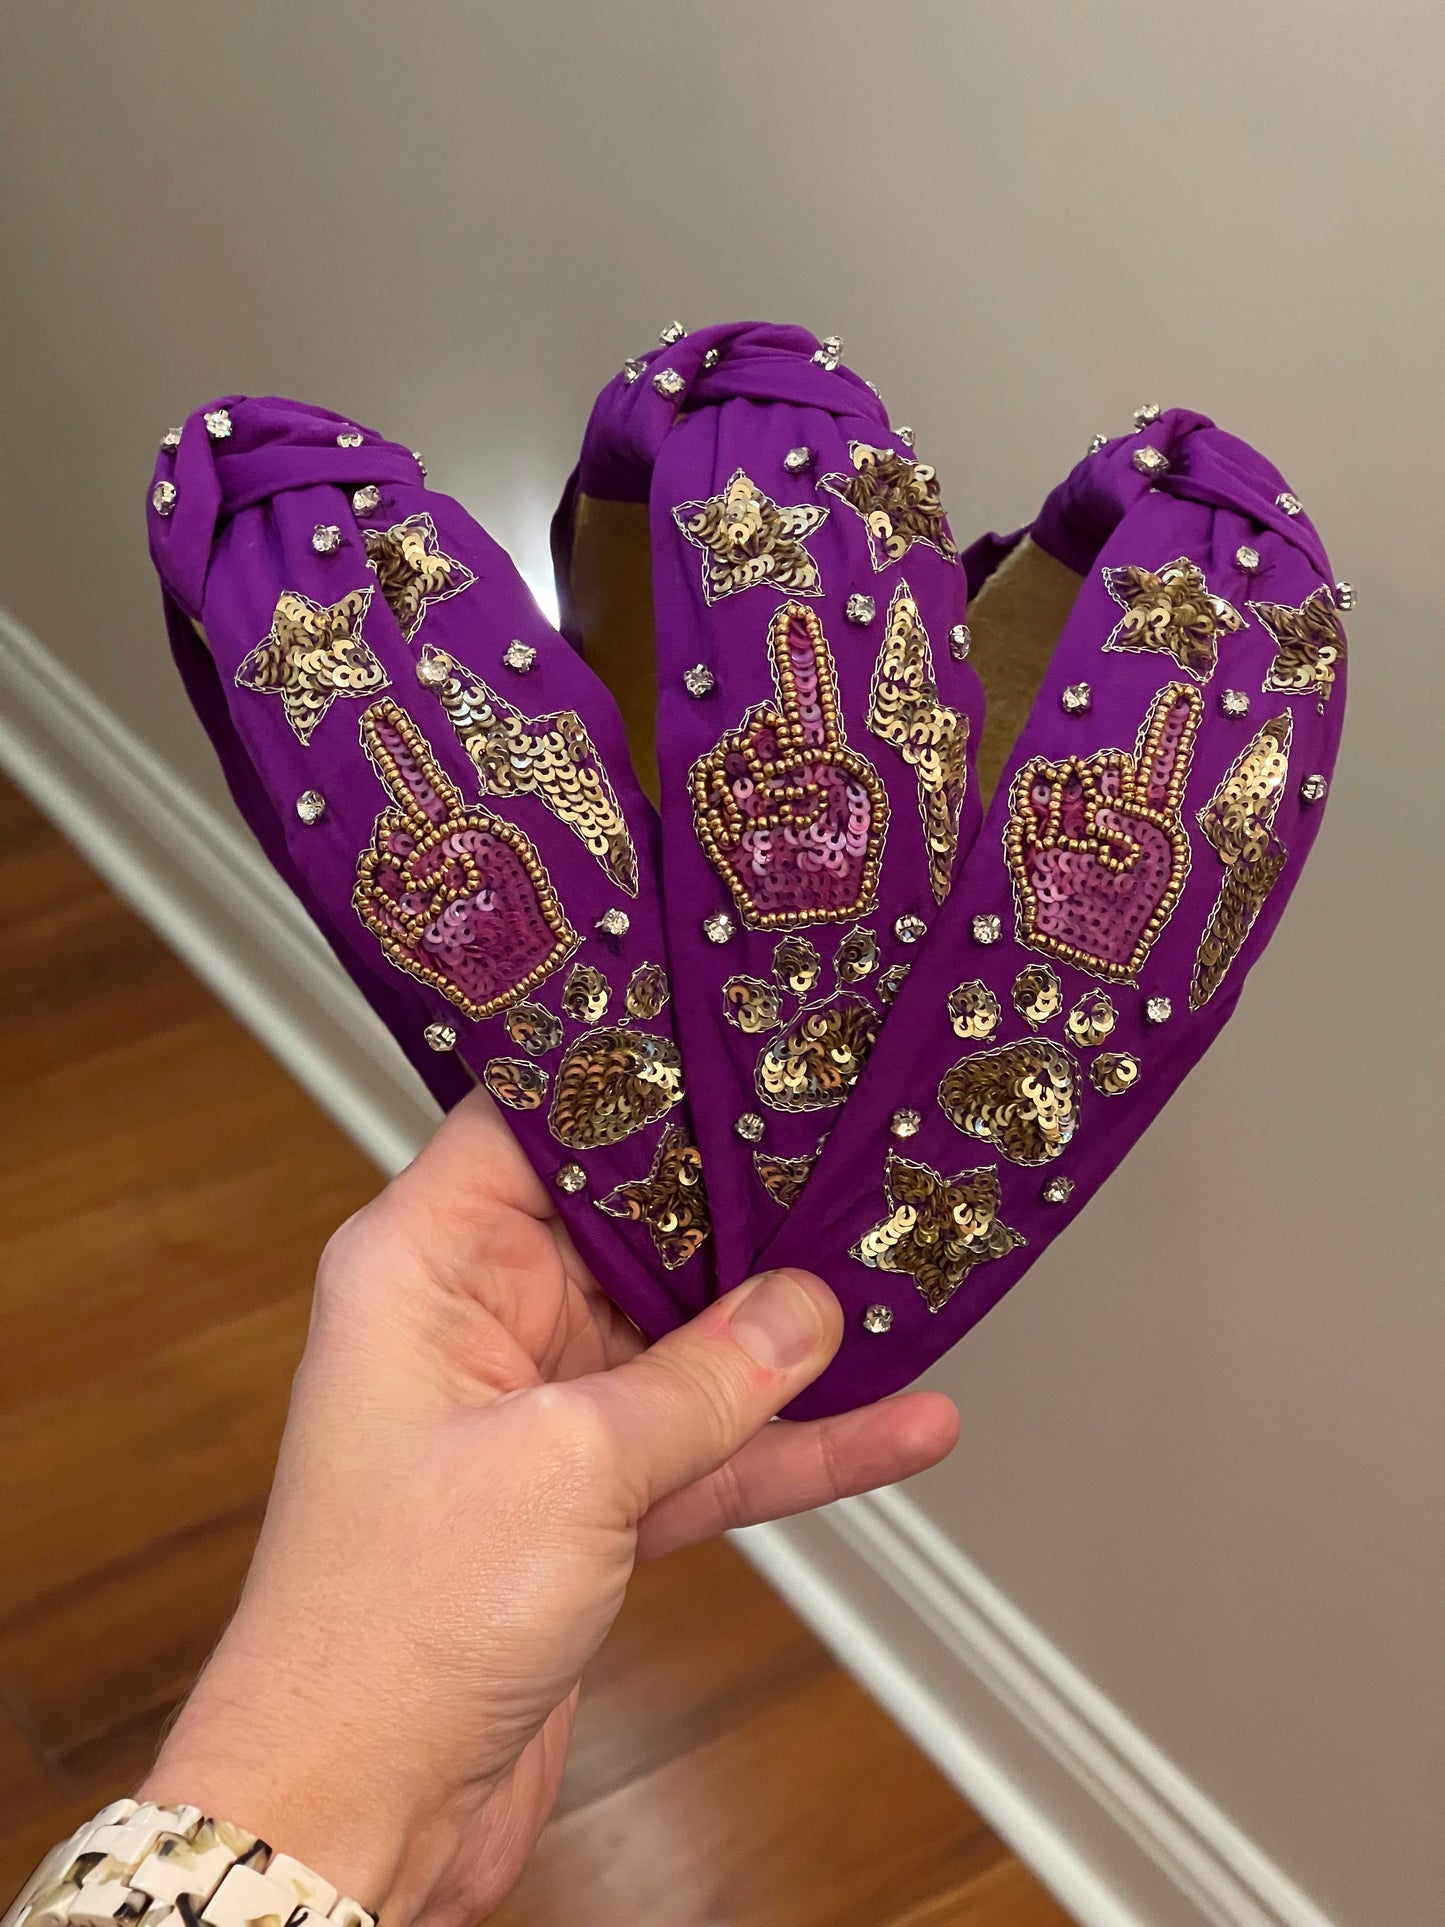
pixel 904 1039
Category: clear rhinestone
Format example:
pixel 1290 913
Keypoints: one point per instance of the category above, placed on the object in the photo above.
pixel 959 641
pixel 1146 416
pixel 519 656
pixel 614 923
pixel 1344 595
pixel 632 368
pixel 674 331
pixel 718 927
pixel 878 1319
pixel 218 423
pixel 171 440
pixel 1291 504
pixel 750 1127
pixel 668 383
pixel 797 460
pixel 432 671
pixel 860 609
pixel 987 929
pixel 1058 1190
pixel 571 1179
pixel 163 497
pixel 440 1037
pixel 905 435
pixel 699 680
pixel 311 806
pixel 711 359
pixel 1097 442
pixel 910 929
pixel 1150 461
pixel 416 457
pixel 366 501
pixel 349 438
pixel 1078 698
pixel 326 538
pixel 1247 559
pixel 1312 789
pixel 906 1123
pixel 1234 702
pixel 1158 1010
pixel 829 352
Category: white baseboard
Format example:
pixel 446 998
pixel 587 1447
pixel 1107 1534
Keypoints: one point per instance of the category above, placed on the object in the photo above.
pixel 1104 1818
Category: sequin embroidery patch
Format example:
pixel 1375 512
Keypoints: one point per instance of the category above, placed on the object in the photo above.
pixel 1309 645
pixel 747 539
pixel 671 1200
pixel 610 1083
pixel 1238 820
pixel 1021 1098
pixel 412 571
pixel 1091 1022
pixel 550 757
pixel 1096 848
pixel 314 654
pixel 816 1061
pixel 647 991
pixel 1038 996
pixel 905 710
pixel 937 1228
pixel 973 1010
pixel 791 818
pixel 516 1083
pixel 897 500
pixel 1171 611
pixel 457 897
pixel 783 1178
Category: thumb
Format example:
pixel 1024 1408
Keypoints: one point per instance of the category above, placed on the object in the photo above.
pixel 681 1409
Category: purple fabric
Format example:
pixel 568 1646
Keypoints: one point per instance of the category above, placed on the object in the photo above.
pixel 806 795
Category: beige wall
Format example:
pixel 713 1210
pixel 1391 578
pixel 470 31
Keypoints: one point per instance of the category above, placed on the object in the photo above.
pixel 1202 1442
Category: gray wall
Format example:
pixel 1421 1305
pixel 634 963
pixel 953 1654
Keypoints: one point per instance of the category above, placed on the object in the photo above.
pixel 1202 1445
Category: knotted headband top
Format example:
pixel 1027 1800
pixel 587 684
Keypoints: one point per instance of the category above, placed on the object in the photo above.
pixel 825 971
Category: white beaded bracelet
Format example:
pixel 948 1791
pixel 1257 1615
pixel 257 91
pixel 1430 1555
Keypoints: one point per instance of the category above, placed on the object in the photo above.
pixel 147 1866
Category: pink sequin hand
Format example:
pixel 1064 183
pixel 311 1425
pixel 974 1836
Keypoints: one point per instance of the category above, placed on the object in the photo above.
pixel 458 897
pixel 791 817
pixel 1097 848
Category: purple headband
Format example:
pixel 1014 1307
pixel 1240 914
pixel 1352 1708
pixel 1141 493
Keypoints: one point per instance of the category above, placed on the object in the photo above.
pixel 905 1042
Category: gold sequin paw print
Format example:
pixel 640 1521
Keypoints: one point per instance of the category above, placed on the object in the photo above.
pixel 817 1054
pixel 1024 1098
pixel 612 1080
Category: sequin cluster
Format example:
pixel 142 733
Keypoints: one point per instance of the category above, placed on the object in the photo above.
pixel 792 819
pixel 937 1228
pixel 413 571
pixel 1096 848
pixel 897 500
pixel 671 1200
pixel 906 711
pixel 1171 611
pixel 550 757
pixel 1238 821
pixel 314 653
pixel 1309 645
pixel 457 897
pixel 815 1059
pixel 747 539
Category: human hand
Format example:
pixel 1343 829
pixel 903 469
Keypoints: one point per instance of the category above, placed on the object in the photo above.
pixel 478 1450
pixel 1096 846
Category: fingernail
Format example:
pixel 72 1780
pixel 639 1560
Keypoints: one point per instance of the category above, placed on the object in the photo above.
pixel 777 1324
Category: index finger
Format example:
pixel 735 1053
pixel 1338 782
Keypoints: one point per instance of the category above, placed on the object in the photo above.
pixel 406 763
pixel 1166 744
pixel 807 681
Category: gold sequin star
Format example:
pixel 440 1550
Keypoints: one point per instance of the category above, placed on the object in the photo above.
pixel 747 539
pixel 1309 641
pixel 898 500
pixel 412 570
pixel 937 1228
pixel 1171 611
pixel 671 1200
pixel 313 655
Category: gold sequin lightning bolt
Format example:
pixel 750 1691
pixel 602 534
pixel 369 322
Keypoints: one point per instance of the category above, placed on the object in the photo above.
pixel 904 709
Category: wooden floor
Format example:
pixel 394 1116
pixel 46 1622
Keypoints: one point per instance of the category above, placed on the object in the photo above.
pixel 156 1252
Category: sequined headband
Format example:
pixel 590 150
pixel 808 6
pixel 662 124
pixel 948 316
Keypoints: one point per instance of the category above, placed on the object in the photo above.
pixel 875 988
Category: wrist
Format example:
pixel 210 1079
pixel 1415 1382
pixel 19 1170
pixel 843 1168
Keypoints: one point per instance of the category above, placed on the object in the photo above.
pixel 248 1751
